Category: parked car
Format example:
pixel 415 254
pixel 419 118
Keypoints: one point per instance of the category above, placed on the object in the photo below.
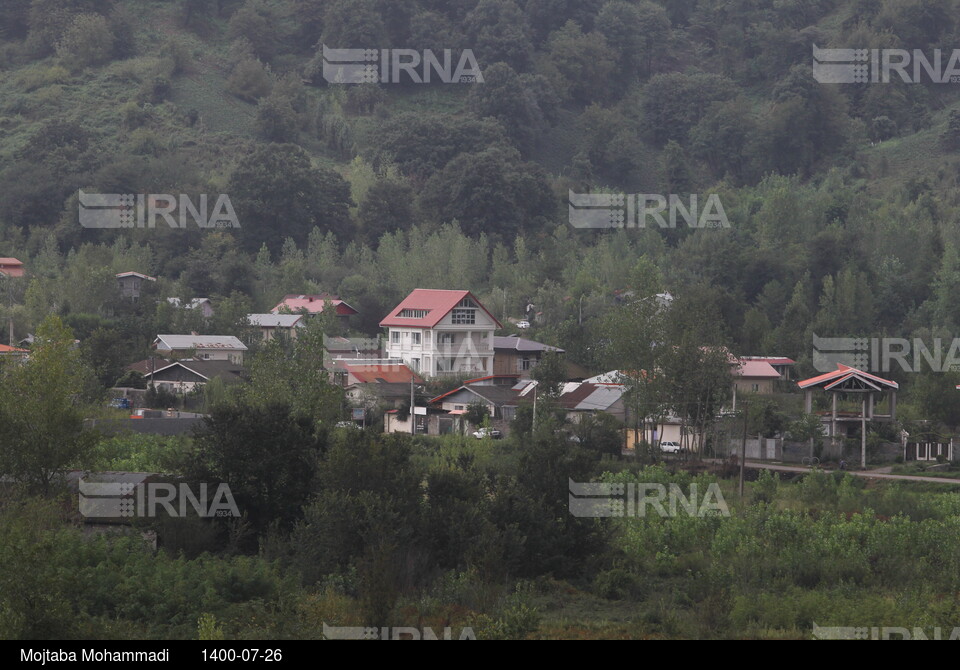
pixel 120 403
pixel 670 447
pixel 523 324
pixel 348 424
pixel 488 432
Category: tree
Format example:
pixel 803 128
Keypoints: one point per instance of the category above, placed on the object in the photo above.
pixel 634 335
pixel 42 410
pixel 255 22
pixel 250 80
pixel 580 65
pixel 667 112
pixel 497 29
pixel 636 31
pixel 278 193
pixel 504 97
pixel 293 373
pixel 477 413
pixel 550 373
pixel 88 41
pixel 276 119
pixel 266 455
pixel 386 208
pixel 492 192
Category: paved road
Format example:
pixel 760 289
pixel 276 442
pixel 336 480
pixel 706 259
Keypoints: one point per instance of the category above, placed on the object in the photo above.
pixel 856 473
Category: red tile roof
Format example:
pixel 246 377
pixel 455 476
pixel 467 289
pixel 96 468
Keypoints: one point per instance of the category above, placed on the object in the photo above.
pixel 11 267
pixel 313 304
pixel 437 302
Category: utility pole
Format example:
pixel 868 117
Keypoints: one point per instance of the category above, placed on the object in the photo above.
pixel 743 448
pixel 533 425
pixel 413 419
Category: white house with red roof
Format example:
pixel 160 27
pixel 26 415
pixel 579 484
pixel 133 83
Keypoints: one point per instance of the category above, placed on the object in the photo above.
pixel 442 333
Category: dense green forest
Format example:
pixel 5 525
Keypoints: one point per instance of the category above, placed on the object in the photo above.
pixel 842 204
pixel 841 199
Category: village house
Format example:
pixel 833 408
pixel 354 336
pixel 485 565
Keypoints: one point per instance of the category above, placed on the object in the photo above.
pixel 202 347
pixel 518 356
pixel 130 284
pixel 11 267
pixel 186 375
pixel 314 304
pixel 202 304
pixel 271 325
pixel 8 353
pixel 442 333
pixel 581 398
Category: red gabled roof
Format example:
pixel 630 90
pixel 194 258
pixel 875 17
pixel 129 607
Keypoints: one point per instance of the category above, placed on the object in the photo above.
pixel 11 267
pixel 7 349
pixel 844 372
pixel 437 302
pixel 313 304
pixel 389 373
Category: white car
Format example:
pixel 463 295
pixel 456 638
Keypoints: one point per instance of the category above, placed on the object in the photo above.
pixel 523 324
pixel 670 447
pixel 488 432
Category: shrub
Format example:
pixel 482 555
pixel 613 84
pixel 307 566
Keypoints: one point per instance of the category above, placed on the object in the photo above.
pixel 250 80
pixel 88 41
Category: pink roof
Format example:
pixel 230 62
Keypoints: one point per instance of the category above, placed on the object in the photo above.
pixel 437 302
pixel 11 267
pixel 755 370
pixel 844 372
pixel 313 304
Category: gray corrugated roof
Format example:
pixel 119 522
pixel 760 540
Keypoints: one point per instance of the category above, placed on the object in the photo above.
pixel 171 342
pixel 275 320
pixel 520 344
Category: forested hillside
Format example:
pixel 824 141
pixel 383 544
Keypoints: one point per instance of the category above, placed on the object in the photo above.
pixel 841 198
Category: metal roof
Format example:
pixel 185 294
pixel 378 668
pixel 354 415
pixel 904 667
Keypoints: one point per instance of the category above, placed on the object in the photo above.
pixel 436 302
pixel 175 342
pixel 520 344
pixel 275 320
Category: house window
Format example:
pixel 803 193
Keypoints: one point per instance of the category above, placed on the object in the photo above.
pixel 467 302
pixel 459 407
pixel 415 364
pixel 755 387
pixel 413 313
pixel 445 338
pixel 395 336
pixel 526 363
pixel 415 338
pixel 464 316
